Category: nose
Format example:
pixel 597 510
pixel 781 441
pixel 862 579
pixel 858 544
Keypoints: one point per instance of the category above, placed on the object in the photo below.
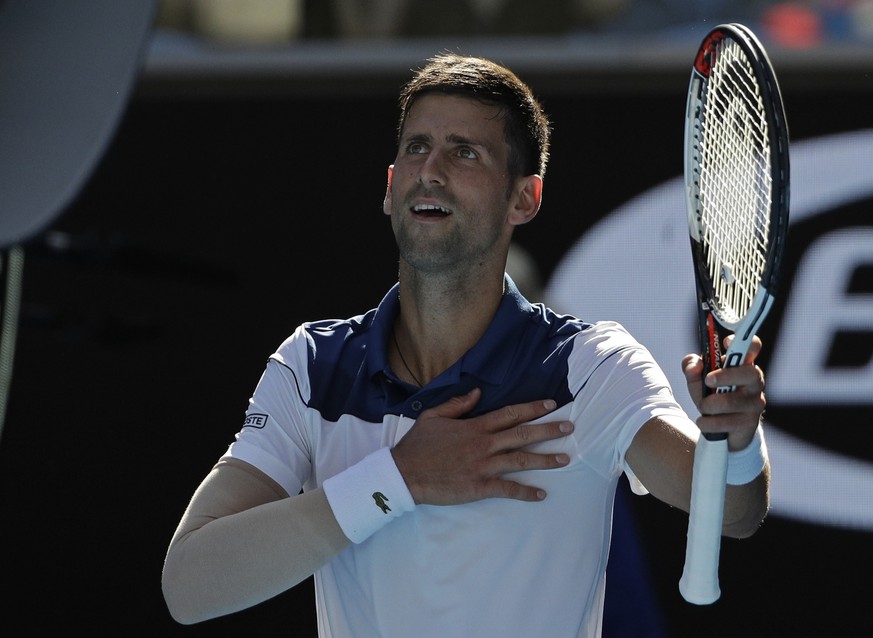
pixel 432 172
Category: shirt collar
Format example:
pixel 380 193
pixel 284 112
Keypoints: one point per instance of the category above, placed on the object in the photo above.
pixel 488 360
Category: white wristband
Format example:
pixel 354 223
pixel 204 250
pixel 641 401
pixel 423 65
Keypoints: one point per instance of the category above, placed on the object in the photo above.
pixel 745 465
pixel 368 495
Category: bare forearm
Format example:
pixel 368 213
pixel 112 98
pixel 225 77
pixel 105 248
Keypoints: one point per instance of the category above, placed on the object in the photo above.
pixel 662 458
pixel 746 506
pixel 236 561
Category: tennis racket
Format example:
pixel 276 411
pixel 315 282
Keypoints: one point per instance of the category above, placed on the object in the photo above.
pixel 737 187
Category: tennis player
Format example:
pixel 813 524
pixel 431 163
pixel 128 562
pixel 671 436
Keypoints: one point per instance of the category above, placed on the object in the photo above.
pixel 445 463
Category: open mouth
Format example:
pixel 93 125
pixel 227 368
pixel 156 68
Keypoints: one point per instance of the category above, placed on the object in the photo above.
pixel 431 210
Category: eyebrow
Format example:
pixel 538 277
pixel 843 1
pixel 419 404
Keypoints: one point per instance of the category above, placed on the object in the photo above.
pixel 452 138
pixel 459 139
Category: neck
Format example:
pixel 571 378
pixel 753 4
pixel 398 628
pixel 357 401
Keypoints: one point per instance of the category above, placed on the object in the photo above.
pixel 434 329
pixel 407 370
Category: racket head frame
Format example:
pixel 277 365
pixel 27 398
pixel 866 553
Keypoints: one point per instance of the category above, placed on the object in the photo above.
pixel 747 324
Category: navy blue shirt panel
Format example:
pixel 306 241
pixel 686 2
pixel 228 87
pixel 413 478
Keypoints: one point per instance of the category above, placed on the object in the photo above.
pixel 521 357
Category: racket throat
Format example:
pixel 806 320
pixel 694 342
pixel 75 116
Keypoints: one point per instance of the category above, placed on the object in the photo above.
pixel 711 337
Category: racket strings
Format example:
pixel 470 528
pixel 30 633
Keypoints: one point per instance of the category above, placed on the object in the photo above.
pixel 735 185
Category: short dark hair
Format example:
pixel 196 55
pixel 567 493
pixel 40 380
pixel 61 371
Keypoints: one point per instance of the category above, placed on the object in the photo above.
pixel 526 126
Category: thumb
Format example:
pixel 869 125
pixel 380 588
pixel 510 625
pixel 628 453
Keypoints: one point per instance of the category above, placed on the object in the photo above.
pixel 692 368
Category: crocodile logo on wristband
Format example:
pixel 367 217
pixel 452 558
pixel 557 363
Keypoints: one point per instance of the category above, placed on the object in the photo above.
pixel 381 499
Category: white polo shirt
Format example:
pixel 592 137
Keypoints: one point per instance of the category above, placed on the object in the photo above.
pixel 497 567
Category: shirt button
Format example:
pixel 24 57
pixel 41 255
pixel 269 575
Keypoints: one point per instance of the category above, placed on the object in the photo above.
pixel 416 405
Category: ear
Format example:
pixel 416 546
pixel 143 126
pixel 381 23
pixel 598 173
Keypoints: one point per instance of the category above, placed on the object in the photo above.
pixel 386 203
pixel 527 198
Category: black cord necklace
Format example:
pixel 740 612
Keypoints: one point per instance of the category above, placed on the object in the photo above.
pixel 403 359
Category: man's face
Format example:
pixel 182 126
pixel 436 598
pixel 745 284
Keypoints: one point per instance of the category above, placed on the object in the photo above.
pixel 449 196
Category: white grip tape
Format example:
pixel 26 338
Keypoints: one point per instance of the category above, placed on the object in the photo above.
pixel 745 465
pixel 699 582
pixel 368 495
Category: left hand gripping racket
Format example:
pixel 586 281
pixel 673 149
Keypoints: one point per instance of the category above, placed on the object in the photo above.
pixel 737 191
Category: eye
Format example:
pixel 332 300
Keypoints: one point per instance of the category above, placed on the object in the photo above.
pixel 416 148
pixel 465 152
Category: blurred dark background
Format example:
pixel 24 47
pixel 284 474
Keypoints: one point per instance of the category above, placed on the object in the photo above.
pixel 241 195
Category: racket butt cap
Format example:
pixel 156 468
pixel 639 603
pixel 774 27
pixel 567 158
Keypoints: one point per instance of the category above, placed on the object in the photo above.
pixel 698 593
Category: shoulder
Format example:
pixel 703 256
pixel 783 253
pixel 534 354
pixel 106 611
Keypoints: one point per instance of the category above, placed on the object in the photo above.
pixel 329 339
pixel 324 336
pixel 599 337
pixel 608 349
pixel 607 336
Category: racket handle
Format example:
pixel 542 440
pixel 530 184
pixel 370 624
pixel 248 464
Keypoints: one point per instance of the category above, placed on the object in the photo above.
pixel 699 582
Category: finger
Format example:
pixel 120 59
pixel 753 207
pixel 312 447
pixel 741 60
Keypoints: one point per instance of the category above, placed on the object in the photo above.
pixel 740 427
pixel 525 434
pixel 513 415
pixel 749 378
pixel 520 461
pixel 457 406
pixel 721 423
pixel 732 412
pixel 754 348
pixel 501 488
pixel 728 403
